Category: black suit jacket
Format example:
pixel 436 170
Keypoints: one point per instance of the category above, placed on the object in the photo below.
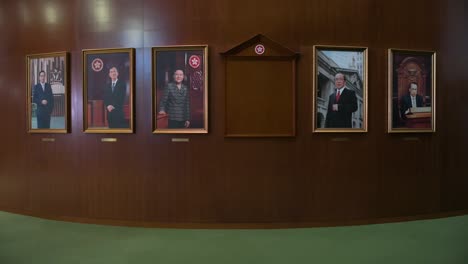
pixel 116 98
pixel 46 94
pixel 346 106
pixel 406 103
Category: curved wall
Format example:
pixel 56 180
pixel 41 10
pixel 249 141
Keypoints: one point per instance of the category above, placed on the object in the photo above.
pixel 212 179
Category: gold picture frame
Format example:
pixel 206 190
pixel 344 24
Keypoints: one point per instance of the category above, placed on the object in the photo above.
pixel 108 90
pixel 333 112
pixel 48 92
pixel 411 96
pixel 180 89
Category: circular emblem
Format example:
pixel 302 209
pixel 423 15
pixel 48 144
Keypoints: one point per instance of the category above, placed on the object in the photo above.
pixel 194 61
pixel 97 65
pixel 259 49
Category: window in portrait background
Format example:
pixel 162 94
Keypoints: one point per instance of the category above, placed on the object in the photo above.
pixel 180 89
pixel 340 89
pixel 47 92
pixel 411 91
pixel 108 90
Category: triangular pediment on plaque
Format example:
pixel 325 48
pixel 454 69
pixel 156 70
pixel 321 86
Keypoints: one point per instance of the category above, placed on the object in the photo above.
pixel 260 46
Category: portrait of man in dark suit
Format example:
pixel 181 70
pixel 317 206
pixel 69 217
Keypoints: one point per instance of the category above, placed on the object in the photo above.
pixel 411 100
pixel 44 100
pixel 411 91
pixel 114 98
pixel 108 90
pixel 341 105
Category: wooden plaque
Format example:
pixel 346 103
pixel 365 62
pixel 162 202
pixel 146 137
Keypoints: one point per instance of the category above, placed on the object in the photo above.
pixel 260 89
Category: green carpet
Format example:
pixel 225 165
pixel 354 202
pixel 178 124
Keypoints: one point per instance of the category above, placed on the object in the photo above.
pixel 31 240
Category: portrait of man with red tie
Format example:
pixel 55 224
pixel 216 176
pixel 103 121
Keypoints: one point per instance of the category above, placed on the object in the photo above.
pixel 341 105
pixel 340 89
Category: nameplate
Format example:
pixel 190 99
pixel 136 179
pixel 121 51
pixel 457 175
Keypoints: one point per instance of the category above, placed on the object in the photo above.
pixel 421 109
pixel 108 140
pixel 48 139
pixel 341 139
pixel 180 140
pixel 411 139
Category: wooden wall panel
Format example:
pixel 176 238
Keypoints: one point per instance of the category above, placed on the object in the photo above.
pixel 260 97
pixel 453 78
pixel 212 179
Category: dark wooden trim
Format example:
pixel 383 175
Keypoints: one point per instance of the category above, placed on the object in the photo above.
pixel 239 225
pixel 259 38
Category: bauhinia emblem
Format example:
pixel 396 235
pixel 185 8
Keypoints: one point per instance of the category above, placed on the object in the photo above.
pixel 97 65
pixel 259 49
pixel 194 61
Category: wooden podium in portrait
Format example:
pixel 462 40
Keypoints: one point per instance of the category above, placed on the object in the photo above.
pixel 419 117
pixel 260 89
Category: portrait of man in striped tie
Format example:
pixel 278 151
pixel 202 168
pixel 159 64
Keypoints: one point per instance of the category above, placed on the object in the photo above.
pixel 411 100
pixel 411 91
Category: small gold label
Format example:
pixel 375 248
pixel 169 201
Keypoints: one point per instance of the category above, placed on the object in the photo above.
pixel 411 139
pixel 340 139
pixel 108 140
pixel 180 140
pixel 48 139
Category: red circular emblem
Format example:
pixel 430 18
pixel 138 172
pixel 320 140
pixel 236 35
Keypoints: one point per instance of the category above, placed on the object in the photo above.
pixel 97 65
pixel 194 61
pixel 260 49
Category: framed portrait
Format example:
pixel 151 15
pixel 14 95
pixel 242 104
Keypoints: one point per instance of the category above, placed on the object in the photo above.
pixel 411 91
pixel 47 92
pixel 340 89
pixel 180 89
pixel 108 90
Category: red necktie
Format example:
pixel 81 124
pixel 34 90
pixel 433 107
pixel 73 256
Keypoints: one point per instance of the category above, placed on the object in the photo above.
pixel 337 96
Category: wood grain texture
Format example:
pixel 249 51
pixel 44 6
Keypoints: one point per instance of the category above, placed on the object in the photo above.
pixel 260 97
pixel 212 179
